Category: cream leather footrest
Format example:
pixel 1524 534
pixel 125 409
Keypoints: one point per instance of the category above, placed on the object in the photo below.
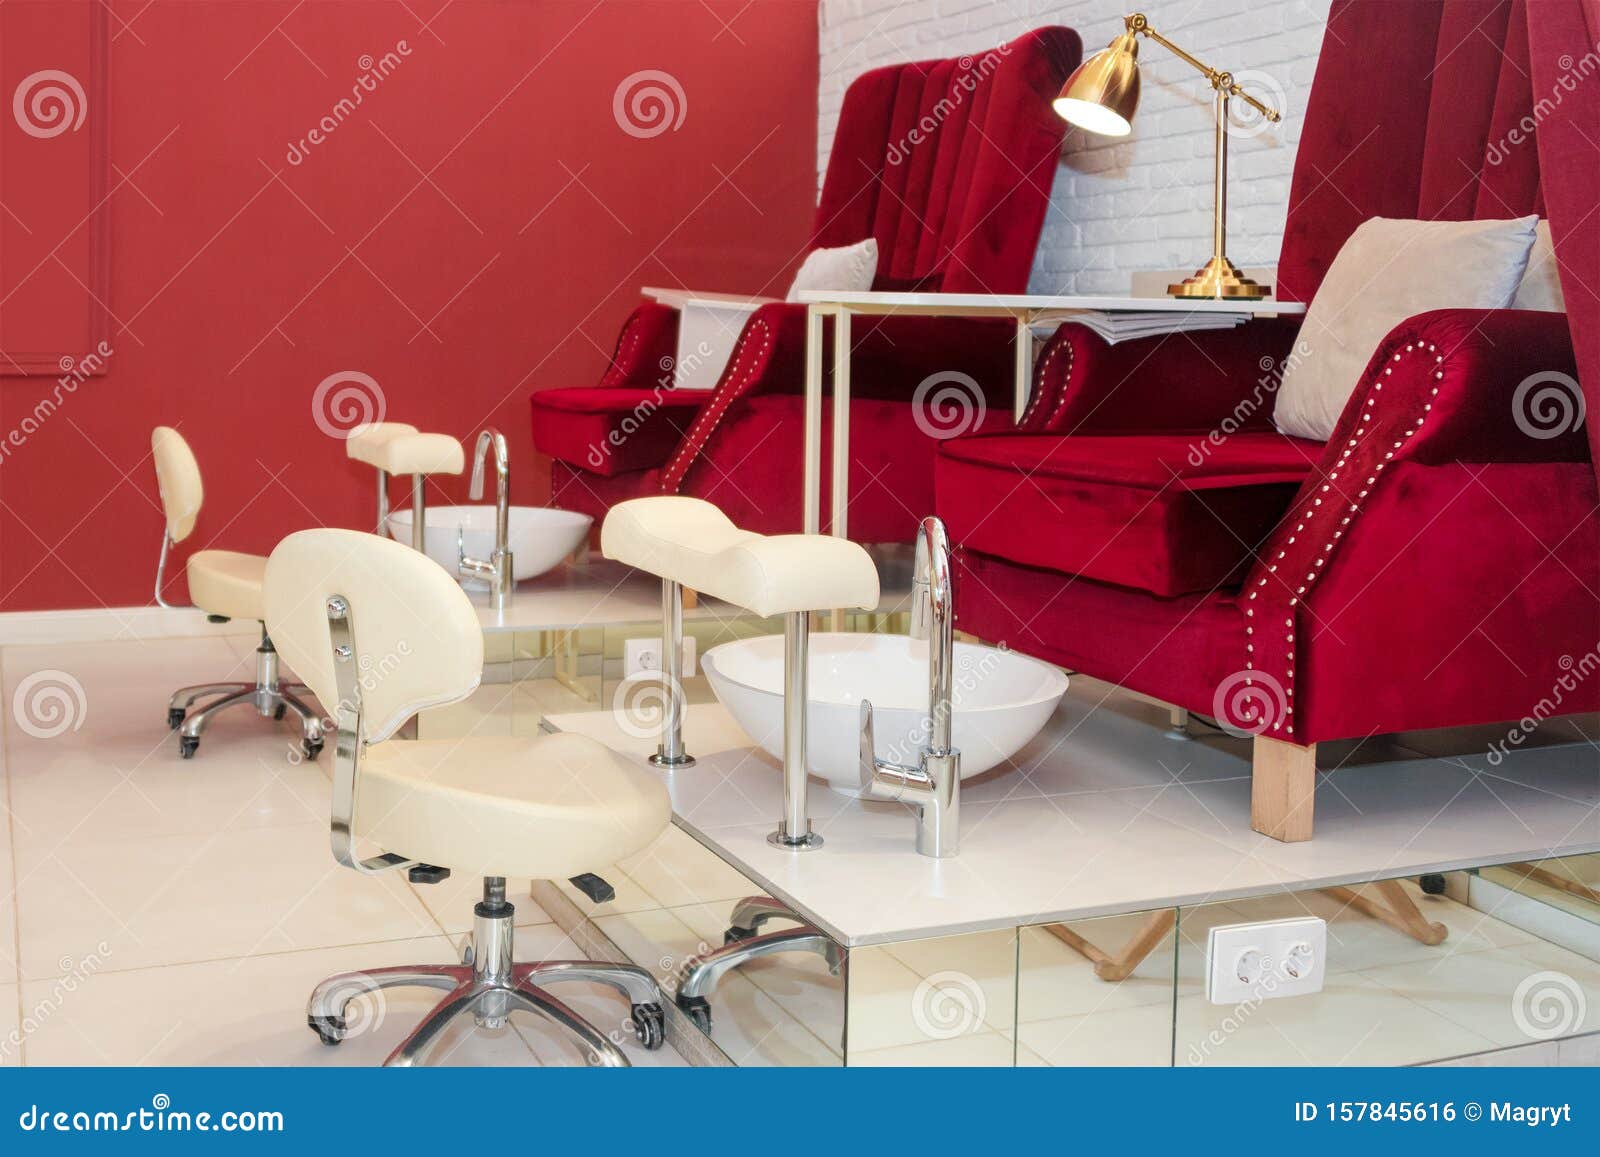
pixel 396 448
pixel 690 542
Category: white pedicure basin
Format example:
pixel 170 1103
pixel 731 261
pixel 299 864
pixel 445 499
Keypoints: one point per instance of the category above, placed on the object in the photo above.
pixel 1000 699
pixel 540 536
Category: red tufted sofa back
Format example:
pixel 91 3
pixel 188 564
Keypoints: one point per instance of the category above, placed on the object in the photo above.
pixel 949 163
pixel 1413 113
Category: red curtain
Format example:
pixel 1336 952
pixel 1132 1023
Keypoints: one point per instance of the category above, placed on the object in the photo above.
pixel 1564 43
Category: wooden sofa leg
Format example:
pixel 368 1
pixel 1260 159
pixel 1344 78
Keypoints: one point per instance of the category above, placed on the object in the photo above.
pixel 1283 786
pixel 1562 880
pixel 1396 909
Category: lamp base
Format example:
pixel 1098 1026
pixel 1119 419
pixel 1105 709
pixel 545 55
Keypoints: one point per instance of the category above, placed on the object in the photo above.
pixel 1220 279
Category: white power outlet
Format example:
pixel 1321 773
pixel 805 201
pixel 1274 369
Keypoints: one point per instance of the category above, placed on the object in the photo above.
pixel 645 655
pixel 1249 963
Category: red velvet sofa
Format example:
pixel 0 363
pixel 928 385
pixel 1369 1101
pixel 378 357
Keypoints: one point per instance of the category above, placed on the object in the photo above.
pixel 1431 565
pixel 949 165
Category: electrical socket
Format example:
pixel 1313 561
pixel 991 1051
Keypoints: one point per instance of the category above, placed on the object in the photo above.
pixel 1247 963
pixel 645 655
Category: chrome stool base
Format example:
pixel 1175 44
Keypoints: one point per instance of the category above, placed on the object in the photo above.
pixel 490 986
pixel 271 699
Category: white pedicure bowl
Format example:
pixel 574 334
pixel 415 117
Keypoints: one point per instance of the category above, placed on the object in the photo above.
pixel 1000 699
pixel 540 536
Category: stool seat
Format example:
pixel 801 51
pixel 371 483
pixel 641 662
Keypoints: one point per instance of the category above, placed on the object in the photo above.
pixel 544 808
pixel 225 582
pixel 411 453
pixel 690 541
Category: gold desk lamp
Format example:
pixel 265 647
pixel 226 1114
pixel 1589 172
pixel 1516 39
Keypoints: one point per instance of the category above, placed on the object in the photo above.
pixel 1101 96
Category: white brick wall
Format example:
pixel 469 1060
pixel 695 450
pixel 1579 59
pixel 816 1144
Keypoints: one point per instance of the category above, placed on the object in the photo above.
pixel 1142 203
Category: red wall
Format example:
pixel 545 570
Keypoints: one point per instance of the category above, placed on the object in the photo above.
pixel 239 281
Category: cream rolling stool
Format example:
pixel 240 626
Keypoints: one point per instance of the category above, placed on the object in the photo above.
pixel 380 633
pixel 690 543
pixel 396 448
pixel 225 585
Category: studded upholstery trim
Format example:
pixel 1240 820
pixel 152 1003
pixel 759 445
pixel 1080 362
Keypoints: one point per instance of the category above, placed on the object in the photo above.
pixel 1326 511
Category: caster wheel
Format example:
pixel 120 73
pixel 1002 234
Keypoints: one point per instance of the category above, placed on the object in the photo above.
pixel 649 1025
pixel 188 745
pixel 175 717
pixel 1432 884
pixel 735 934
pixel 278 714
pixel 330 1030
pixel 699 1010
pixel 311 747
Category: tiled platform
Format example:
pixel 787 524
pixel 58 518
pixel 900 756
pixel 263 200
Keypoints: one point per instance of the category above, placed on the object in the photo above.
pixel 1103 813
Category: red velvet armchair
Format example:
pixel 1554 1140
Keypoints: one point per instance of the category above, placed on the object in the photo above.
pixel 949 165
pixel 1436 563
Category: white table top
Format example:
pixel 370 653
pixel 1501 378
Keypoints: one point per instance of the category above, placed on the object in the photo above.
pixel 1041 303
pixel 1102 814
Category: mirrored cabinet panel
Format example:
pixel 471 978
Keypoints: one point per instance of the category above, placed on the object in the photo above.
pixel 946 1001
pixel 1097 992
pixel 1411 971
pixel 679 911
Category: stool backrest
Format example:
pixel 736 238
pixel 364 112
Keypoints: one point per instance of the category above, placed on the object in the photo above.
pixel 178 480
pixel 416 637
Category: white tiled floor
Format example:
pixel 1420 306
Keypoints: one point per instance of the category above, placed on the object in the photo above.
pixel 193 904
pixel 179 911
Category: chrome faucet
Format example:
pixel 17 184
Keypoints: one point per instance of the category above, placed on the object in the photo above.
pixel 934 784
pixel 496 568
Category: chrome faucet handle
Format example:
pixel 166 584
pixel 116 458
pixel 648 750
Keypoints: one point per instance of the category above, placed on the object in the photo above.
pixel 868 766
pixel 882 778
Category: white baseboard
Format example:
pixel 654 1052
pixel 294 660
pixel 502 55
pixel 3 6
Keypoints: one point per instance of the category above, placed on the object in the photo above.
pixel 110 623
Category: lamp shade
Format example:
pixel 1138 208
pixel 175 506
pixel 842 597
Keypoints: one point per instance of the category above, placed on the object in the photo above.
pixel 1102 95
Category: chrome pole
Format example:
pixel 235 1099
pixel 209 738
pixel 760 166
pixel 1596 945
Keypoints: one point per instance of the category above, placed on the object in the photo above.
pixel 383 502
pixel 795 833
pixel 419 512
pixel 670 751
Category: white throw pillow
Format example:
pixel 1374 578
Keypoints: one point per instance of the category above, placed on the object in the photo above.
pixel 1390 270
pixel 1541 285
pixel 848 267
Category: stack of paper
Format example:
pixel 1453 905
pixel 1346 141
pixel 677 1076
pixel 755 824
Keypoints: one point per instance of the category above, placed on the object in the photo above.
pixel 1120 326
